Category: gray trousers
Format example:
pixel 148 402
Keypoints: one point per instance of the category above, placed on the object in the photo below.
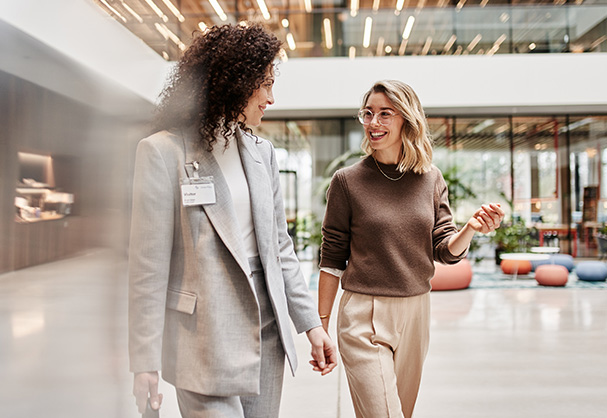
pixel 267 403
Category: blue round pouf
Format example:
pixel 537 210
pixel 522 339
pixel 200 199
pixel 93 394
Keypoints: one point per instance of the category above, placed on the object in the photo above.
pixel 536 263
pixel 591 271
pixel 564 260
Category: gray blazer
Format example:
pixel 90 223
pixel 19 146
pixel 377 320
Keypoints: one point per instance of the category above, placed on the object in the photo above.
pixel 193 313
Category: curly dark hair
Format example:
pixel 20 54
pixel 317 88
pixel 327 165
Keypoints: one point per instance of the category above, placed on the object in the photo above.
pixel 213 81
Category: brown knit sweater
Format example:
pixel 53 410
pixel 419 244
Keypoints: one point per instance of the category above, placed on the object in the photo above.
pixel 387 232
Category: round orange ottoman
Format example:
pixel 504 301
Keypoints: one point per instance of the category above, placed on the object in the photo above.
pixel 516 266
pixel 551 275
pixel 452 276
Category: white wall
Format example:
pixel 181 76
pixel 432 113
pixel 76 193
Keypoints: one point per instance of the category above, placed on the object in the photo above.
pixel 85 33
pixel 508 84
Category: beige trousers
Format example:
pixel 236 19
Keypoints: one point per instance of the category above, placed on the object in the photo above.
pixel 383 343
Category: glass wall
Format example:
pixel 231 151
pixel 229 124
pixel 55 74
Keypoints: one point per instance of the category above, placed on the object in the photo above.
pixel 545 171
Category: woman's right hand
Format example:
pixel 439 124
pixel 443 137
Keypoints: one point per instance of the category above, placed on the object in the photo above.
pixel 146 383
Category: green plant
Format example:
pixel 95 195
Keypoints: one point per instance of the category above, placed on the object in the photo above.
pixel 308 231
pixel 514 237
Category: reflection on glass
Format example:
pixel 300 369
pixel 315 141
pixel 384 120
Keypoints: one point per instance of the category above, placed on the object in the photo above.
pixel 474 156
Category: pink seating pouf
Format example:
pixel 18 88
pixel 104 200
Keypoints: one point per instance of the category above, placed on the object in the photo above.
pixel 516 266
pixel 452 276
pixel 551 275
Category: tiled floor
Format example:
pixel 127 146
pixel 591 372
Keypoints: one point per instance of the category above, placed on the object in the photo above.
pixel 494 353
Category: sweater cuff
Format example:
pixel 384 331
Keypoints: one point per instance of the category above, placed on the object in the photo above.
pixel 446 257
pixel 332 263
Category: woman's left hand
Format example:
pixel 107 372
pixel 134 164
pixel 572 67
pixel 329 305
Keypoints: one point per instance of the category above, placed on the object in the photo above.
pixel 324 351
pixel 487 218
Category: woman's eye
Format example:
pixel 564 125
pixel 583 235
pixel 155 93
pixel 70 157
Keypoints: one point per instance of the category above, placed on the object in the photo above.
pixel 385 114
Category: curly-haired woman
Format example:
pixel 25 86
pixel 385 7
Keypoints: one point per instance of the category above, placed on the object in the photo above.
pixel 213 278
pixel 387 220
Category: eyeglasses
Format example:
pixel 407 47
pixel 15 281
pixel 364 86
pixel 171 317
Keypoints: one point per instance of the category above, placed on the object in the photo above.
pixel 384 117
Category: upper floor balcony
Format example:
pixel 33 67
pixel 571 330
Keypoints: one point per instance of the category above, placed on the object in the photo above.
pixel 354 28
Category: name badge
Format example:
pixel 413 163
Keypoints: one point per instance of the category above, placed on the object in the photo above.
pixel 198 191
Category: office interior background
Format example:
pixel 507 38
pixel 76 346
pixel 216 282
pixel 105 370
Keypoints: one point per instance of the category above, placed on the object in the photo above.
pixel 515 93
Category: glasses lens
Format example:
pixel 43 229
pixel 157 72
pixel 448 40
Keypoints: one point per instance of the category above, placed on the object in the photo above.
pixel 365 117
pixel 385 118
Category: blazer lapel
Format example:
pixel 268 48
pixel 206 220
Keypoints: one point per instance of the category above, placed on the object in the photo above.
pixel 221 214
pixel 260 191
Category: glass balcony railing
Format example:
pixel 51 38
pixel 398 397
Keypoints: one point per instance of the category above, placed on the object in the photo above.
pixel 448 31
pixel 355 28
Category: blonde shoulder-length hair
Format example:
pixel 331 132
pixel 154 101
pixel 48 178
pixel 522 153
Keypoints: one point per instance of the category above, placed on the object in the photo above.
pixel 415 136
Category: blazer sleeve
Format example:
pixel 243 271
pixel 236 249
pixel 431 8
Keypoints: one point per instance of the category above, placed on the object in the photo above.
pixel 302 308
pixel 149 256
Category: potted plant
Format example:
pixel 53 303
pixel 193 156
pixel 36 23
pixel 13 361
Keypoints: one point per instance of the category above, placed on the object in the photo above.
pixel 514 237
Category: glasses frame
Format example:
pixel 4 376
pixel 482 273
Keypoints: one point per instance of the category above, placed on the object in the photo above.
pixel 361 117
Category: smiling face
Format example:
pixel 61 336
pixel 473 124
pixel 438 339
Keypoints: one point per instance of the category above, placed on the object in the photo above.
pixel 259 100
pixel 384 139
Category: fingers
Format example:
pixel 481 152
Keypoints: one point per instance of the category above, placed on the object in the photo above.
pixel 144 384
pixel 324 351
pixel 318 355
pixel 488 217
pixel 155 397
pixel 331 358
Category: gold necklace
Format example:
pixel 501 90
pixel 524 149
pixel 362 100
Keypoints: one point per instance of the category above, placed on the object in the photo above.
pixel 385 175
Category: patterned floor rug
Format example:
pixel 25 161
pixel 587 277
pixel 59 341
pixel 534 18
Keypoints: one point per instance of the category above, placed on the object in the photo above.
pixel 498 280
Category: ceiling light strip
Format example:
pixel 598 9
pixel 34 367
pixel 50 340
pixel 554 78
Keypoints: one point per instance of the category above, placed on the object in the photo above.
pixel 474 42
pixel 308 6
pixel 399 6
pixel 408 27
pixel 354 7
pixel 162 29
pixel 116 12
pixel 157 10
pixel 449 43
pixel 328 35
pixel 427 45
pixel 403 46
pixel 380 46
pixel 131 11
pixel 174 10
pixel 367 33
pixel 497 44
pixel 217 7
pixel 264 9
pixel 291 41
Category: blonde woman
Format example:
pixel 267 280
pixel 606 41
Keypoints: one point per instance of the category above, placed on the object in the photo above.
pixel 387 221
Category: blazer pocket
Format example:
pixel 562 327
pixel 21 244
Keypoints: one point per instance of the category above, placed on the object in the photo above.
pixel 181 301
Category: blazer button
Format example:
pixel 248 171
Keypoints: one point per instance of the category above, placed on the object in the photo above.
pixel 278 259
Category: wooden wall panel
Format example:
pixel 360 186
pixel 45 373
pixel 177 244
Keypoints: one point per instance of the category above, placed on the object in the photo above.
pixel 90 151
